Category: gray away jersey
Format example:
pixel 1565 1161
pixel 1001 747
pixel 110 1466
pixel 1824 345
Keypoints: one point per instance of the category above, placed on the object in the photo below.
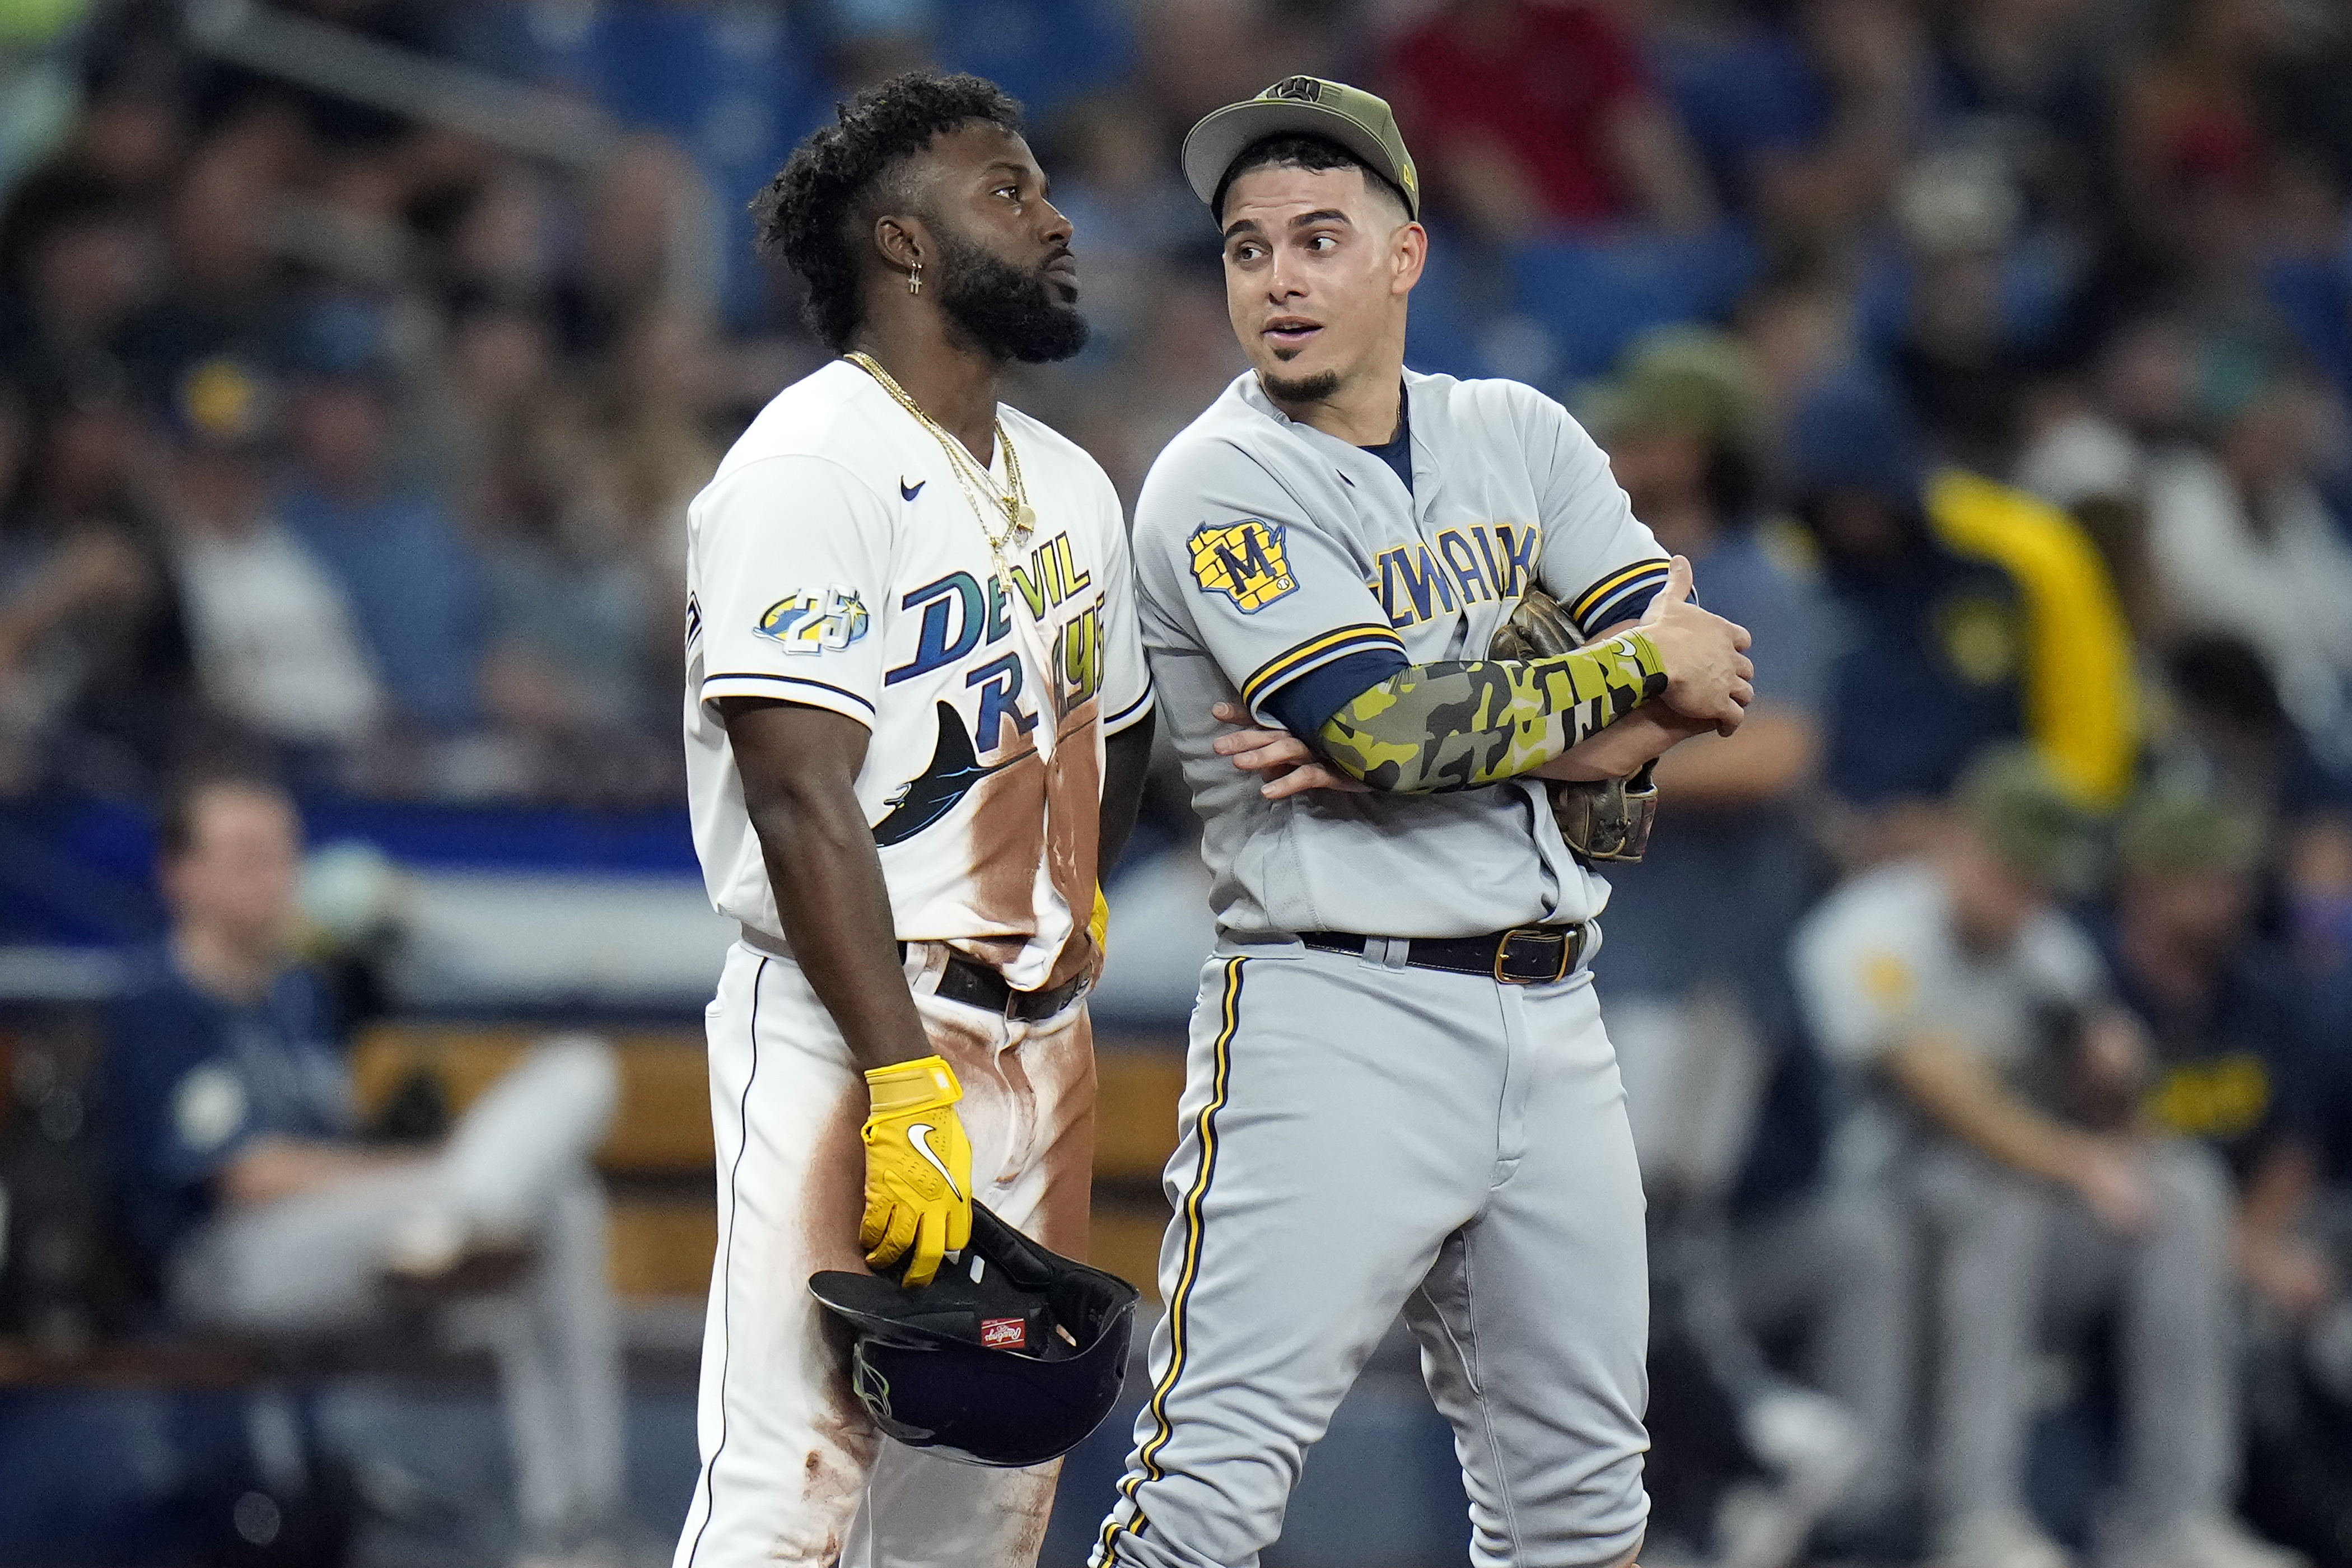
pixel 1267 550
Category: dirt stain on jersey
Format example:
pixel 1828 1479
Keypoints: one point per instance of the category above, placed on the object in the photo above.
pixel 1059 1071
pixel 1074 831
pixel 967 1040
pixel 842 1440
pixel 834 1203
pixel 1008 838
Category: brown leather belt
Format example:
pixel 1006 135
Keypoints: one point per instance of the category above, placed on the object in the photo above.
pixel 1523 955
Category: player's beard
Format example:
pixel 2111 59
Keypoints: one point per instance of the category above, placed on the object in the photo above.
pixel 1320 387
pixel 1009 313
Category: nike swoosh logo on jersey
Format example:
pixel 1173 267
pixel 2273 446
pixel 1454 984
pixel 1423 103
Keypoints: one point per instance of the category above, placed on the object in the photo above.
pixel 909 491
pixel 919 1134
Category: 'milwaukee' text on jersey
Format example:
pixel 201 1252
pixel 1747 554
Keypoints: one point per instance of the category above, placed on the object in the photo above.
pixel 834 562
pixel 1270 553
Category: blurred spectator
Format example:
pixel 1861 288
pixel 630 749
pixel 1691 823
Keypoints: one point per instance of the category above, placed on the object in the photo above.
pixel 1538 114
pixel 2249 1060
pixel 227 1114
pixel 638 252
pixel 2024 81
pixel 1682 423
pixel 87 268
pixel 2232 735
pixel 581 663
pixel 1796 328
pixel 2295 1242
pixel 1999 1086
pixel 1978 614
pixel 276 648
pixel 94 662
pixel 229 293
pixel 1684 426
pixel 2243 542
pixel 2223 1014
pixel 2189 143
pixel 1873 57
pixel 398 558
pixel 1958 357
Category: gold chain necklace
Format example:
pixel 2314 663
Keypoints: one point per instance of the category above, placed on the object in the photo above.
pixel 1020 518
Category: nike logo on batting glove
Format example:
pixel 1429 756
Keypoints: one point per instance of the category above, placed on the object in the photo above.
pixel 920 1135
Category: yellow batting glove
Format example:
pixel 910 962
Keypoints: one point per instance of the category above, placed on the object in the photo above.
pixel 1099 924
pixel 917 1169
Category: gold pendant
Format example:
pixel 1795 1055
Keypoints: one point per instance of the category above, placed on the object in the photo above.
pixel 1024 521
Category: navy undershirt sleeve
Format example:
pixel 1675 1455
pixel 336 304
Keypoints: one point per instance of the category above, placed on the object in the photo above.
pixel 1634 606
pixel 1307 704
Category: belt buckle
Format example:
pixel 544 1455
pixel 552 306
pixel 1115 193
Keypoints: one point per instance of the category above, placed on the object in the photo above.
pixel 1564 935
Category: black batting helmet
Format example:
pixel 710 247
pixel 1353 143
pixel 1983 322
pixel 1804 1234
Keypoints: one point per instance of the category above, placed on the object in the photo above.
pixel 1009 1357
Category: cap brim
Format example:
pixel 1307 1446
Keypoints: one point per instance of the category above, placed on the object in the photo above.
pixel 1220 137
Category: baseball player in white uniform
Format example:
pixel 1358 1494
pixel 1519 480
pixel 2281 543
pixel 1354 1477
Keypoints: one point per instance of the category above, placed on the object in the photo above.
pixel 1398 1094
pixel 917 718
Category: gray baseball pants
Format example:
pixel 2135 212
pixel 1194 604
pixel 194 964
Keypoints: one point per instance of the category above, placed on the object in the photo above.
pixel 518 1159
pixel 2017 1255
pixel 1359 1137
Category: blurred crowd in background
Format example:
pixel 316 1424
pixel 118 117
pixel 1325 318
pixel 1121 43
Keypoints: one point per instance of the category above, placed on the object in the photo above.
pixel 1991 360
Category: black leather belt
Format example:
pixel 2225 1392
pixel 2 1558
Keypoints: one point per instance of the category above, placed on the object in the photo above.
pixel 1523 955
pixel 977 985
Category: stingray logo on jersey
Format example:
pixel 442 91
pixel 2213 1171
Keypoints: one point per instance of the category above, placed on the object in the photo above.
pixel 811 622
pixel 1244 561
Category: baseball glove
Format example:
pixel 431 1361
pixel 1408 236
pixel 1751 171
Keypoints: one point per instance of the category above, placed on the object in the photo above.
pixel 1606 819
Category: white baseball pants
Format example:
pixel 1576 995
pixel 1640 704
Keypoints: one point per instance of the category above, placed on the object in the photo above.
pixel 792 1471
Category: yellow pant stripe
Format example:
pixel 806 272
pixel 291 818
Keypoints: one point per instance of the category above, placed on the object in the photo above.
pixel 1206 1127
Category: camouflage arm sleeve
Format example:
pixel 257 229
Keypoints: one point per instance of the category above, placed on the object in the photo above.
pixel 1439 727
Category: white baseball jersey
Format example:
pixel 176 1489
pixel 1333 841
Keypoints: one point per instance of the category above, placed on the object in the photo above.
pixel 834 560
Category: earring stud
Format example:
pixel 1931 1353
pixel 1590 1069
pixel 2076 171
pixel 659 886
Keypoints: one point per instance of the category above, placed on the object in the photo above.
pixel 915 277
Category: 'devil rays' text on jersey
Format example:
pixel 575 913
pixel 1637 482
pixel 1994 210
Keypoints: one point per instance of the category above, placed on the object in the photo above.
pixel 836 562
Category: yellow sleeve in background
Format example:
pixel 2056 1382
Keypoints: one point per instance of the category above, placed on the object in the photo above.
pixel 2081 697
pixel 1098 923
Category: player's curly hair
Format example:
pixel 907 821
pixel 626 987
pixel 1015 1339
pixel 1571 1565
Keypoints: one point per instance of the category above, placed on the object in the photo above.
pixel 828 188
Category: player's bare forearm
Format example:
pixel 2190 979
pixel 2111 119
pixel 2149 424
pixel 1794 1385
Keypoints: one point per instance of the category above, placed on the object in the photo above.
pixel 1127 758
pixel 799 768
pixel 1434 728
pixel 1625 748
pixel 1960 1093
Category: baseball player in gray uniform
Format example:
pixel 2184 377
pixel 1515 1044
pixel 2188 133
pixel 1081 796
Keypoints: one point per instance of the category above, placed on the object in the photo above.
pixel 1400 1095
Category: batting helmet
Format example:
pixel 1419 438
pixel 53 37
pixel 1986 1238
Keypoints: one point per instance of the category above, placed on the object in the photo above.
pixel 1010 1357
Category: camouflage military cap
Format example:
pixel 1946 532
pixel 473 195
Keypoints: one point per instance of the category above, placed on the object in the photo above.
pixel 1310 106
pixel 2175 830
pixel 2021 811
